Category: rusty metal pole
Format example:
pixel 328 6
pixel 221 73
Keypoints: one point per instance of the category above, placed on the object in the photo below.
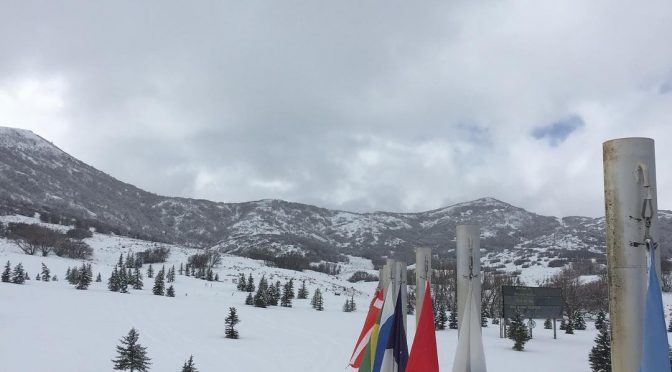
pixel 423 276
pixel 629 181
pixel 468 266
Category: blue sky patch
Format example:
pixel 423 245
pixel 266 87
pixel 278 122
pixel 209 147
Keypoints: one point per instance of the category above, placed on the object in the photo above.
pixel 556 133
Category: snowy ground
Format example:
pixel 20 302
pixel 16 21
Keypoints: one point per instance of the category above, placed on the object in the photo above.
pixel 53 327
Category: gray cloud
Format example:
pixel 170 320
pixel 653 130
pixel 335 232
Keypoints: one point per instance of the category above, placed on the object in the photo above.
pixel 376 106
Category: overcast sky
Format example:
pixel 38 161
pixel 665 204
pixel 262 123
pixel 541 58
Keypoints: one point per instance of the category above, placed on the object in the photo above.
pixel 356 105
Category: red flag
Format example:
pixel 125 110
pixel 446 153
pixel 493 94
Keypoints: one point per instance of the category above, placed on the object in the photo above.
pixel 371 317
pixel 423 356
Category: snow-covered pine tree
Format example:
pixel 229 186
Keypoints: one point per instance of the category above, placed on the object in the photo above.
pixel 68 272
pixel 484 317
pixel 286 299
pixel 150 271
pixel 26 276
pixel 99 278
pixel 137 279
pixel 85 277
pixel 74 275
pixel 7 273
pixel 171 275
pixel 18 275
pixel 113 282
pixel 346 306
pixel 441 318
pixel 130 260
pixel 130 278
pixel 181 271
pixel 600 354
pixel 548 324
pixel 602 319
pixel 121 261
pixel 187 270
pixel 303 291
pixel 452 320
pixel 410 302
pixel 46 273
pixel 170 292
pixel 159 288
pixel 518 332
pixel 579 323
pixel 569 327
pixel 290 288
pixel 231 320
pixel 260 298
pixel 189 365
pixel 123 280
pixel 273 294
pixel 250 284
pixel 249 300
pixel 131 355
pixel 241 282
pixel 353 305
pixel 317 301
pixel 563 324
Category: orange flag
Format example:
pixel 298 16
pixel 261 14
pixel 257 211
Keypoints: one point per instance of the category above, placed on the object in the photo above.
pixel 423 356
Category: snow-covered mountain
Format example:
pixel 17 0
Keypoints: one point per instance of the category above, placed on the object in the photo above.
pixel 36 176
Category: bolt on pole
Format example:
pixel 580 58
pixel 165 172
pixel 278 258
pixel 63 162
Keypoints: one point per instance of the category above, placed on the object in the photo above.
pixel 423 277
pixel 629 184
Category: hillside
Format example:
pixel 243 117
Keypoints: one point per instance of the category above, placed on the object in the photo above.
pixel 39 177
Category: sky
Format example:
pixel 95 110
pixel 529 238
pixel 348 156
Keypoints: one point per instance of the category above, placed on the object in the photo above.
pixel 360 106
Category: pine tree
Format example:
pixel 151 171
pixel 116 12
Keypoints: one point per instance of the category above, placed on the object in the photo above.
pixel 563 324
pixel 7 273
pixel 171 275
pixel 250 284
pixel 548 324
pixel 518 332
pixel 602 320
pixel 181 271
pixel 26 276
pixel 187 270
pixel 170 292
pixel 600 354
pixel 84 278
pixel 241 282
pixel 441 318
pixel 99 278
pixel 18 275
pixel 353 305
pixel 286 299
pixel 130 260
pixel 113 282
pixel 410 303
pixel 231 320
pixel 150 271
pixel 579 323
pixel 317 300
pixel 346 306
pixel 260 298
pixel 189 365
pixel 303 291
pixel 569 327
pixel 37 277
pixel 121 261
pixel 290 288
pixel 46 274
pixel 137 279
pixel 159 284
pixel 484 317
pixel 249 300
pixel 67 274
pixel 123 280
pixel 73 275
pixel 130 278
pixel 273 294
pixel 131 355
pixel 452 320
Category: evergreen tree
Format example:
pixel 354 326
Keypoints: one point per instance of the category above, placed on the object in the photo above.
pixel 410 302
pixel 286 299
pixel 137 279
pixel 67 274
pixel 249 300
pixel 569 327
pixel 130 278
pixel 353 305
pixel 189 365
pixel 250 284
pixel 131 355
pixel 290 288
pixel 260 298
pixel 346 306
pixel 150 271
pixel 600 354
pixel 484 317
pixel 187 270
pixel 441 318
pixel 241 282
pixel 99 278
pixel 18 275
pixel 123 280
pixel 209 275
pixel 303 291
pixel 73 275
pixel 217 277
pixel 54 278
pixel 113 282
pixel 26 276
pixel 602 319
pixel 121 261
pixel 171 275
pixel 130 260
pixel 181 271
pixel 317 301
pixel 548 324
pixel 518 332
pixel 231 320
pixel 170 292
pixel 84 278
pixel 159 284
pixel 37 277
pixel 46 274
pixel 452 321
pixel 273 294
pixel 579 323
pixel 7 273
pixel 563 324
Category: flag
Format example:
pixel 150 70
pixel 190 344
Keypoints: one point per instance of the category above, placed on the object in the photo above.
pixel 469 356
pixel 369 325
pixel 654 346
pixel 395 356
pixel 423 356
pixel 386 322
pixel 366 364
